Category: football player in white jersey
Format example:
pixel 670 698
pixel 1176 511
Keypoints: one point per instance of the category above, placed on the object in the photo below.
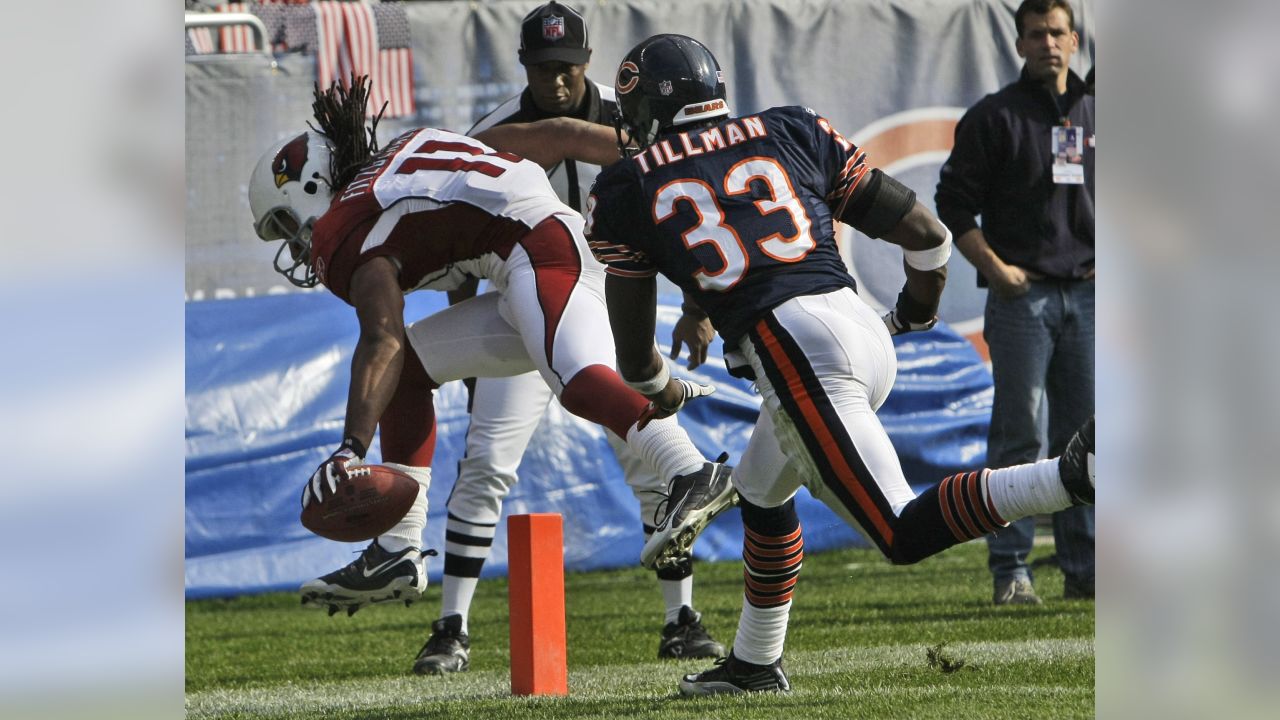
pixel 506 411
pixel 373 225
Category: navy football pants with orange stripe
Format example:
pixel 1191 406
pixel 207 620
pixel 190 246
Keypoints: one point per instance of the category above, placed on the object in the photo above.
pixel 824 364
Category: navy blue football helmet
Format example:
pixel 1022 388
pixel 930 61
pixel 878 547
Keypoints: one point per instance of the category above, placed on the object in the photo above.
pixel 664 82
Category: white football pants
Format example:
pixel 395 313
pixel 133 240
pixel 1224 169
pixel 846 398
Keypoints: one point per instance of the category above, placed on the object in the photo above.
pixel 505 412
pixel 835 348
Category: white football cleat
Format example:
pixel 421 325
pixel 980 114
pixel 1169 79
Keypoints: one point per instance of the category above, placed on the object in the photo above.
pixel 695 500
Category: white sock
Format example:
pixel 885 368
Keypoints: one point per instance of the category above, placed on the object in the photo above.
pixel 456 597
pixel 676 594
pixel 761 633
pixel 1030 489
pixel 666 447
pixel 408 532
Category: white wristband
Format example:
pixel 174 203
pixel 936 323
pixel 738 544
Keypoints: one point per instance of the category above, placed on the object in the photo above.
pixel 653 385
pixel 930 259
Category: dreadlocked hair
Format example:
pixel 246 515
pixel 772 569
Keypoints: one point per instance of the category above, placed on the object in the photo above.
pixel 340 111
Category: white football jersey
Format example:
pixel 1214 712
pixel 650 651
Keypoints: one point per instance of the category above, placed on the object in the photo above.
pixel 427 167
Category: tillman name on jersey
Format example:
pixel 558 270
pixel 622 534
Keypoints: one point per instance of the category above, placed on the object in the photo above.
pixel 690 144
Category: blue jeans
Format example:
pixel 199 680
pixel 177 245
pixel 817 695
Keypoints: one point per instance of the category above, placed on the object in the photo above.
pixel 1041 347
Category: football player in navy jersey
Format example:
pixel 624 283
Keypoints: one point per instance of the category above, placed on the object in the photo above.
pixel 738 212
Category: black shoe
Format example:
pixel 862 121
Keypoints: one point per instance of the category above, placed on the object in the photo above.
pixel 734 676
pixel 694 501
pixel 686 638
pixel 1077 589
pixel 448 650
pixel 377 576
pixel 1075 467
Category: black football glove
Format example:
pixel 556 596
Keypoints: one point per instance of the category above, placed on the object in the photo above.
pixel 897 326
pixel 909 316
pixel 338 467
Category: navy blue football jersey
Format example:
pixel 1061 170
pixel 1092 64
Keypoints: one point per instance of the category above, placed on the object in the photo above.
pixel 738 214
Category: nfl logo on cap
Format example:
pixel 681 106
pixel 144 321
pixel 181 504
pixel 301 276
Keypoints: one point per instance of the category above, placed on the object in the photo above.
pixel 554 33
pixel 664 87
pixel 553 27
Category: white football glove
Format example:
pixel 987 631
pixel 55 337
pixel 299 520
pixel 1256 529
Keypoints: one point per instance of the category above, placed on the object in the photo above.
pixel 896 326
pixel 337 468
pixel 688 391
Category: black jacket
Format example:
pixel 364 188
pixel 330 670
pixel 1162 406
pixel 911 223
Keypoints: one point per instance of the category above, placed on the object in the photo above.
pixel 1002 169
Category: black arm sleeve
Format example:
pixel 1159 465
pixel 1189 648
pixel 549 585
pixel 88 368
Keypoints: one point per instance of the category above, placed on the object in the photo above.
pixel 879 203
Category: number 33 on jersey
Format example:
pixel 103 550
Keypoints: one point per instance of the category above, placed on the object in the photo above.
pixel 738 213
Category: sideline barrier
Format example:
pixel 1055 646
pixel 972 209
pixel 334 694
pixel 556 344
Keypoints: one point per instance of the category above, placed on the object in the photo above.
pixel 266 395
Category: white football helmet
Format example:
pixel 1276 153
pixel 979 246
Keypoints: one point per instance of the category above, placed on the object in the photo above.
pixel 288 191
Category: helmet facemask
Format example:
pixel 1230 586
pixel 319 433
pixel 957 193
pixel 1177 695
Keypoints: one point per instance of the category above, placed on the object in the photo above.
pixel 293 258
pixel 288 191
pixel 635 142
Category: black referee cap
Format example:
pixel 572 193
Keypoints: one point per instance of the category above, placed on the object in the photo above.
pixel 554 32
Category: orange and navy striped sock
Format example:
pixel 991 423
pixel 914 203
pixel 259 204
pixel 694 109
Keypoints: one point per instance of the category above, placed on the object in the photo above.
pixel 772 554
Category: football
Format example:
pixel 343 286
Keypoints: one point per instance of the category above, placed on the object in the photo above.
pixel 370 503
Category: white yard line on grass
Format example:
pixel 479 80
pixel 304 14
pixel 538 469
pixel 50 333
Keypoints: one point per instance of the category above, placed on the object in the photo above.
pixel 653 680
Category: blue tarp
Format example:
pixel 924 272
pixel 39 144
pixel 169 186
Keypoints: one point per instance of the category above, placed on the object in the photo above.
pixel 266 394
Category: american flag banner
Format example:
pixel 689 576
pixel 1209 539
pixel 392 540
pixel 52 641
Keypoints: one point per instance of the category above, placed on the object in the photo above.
pixel 281 18
pixel 350 42
pixel 357 36
pixel 200 41
pixel 395 59
pixel 235 38
pixel 291 24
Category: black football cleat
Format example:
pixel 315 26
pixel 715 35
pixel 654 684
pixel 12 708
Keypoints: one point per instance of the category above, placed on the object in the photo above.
pixel 1076 466
pixel 693 502
pixel 734 676
pixel 448 650
pixel 377 576
pixel 687 638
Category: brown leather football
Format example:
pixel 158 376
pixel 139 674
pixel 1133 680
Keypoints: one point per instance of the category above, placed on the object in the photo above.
pixel 368 504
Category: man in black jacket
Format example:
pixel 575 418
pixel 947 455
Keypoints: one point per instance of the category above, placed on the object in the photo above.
pixel 1024 160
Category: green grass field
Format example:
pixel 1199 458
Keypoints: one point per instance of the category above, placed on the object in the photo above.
pixel 859 647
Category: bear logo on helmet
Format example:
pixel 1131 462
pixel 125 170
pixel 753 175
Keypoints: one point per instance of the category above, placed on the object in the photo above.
pixel 628 83
pixel 288 163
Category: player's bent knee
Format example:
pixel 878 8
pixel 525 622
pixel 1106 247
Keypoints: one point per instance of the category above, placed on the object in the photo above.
pixel 919 531
pixel 905 554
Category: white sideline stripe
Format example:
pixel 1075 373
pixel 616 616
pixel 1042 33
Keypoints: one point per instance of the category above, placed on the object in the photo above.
pixel 641 679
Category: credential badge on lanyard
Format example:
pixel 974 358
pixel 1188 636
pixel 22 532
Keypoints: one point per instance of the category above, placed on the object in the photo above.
pixel 1068 154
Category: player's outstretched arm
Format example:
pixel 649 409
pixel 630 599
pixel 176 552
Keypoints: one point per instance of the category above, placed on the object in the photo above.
pixel 632 315
pixel 549 142
pixel 375 372
pixel 632 306
pixel 379 354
